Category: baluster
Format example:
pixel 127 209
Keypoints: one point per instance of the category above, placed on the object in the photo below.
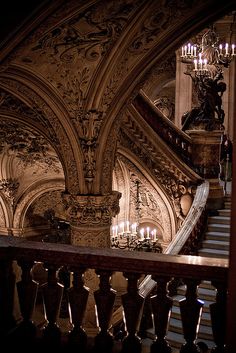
pixel 133 306
pixel 52 297
pixel 78 298
pixel 64 279
pixel 190 309
pixel 104 299
pixel 218 317
pixel 7 291
pixel 27 292
pixel 161 307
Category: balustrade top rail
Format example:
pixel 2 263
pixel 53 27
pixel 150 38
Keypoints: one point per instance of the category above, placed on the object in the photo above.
pixel 174 137
pixel 185 266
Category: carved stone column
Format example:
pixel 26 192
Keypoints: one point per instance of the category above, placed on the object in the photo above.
pixel 206 160
pixel 91 217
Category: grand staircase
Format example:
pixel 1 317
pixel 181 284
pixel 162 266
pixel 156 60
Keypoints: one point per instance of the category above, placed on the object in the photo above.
pixel 216 244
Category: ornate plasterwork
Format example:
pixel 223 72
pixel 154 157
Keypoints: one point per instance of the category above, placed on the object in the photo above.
pixel 29 147
pixel 2 217
pixel 9 188
pixel 28 199
pixel 51 126
pixel 95 238
pixel 48 200
pixel 152 206
pixel 92 210
pixel 166 106
pixel 10 103
pixel 171 179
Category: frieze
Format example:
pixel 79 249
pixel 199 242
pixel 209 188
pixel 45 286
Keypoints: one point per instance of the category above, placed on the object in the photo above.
pixel 98 239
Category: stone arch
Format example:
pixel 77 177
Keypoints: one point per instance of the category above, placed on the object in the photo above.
pixel 49 117
pixel 35 191
pixel 165 40
pixel 168 221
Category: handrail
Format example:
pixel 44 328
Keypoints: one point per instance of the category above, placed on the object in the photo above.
pixel 192 218
pixel 78 259
pixel 183 234
pixel 178 140
pixel 20 249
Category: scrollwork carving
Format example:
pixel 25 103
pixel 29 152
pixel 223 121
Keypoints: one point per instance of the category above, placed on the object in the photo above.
pixel 9 188
pixel 92 210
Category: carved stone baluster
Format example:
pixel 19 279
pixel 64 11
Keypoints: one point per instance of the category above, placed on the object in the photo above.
pixel 7 289
pixel 104 299
pixel 218 317
pixel 190 309
pixel 133 307
pixel 78 297
pixel 52 297
pixel 27 292
pixel 161 307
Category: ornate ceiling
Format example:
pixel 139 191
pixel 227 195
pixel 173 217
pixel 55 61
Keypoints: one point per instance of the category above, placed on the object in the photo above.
pixel 68 77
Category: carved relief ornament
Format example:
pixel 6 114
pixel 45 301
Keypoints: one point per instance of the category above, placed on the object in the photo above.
pixel 92 210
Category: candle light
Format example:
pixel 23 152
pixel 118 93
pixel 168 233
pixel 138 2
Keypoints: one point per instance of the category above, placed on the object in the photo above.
pixel 127 226
pixel 154 235
pixel 233 47
pixel 227 49
pixel 142 234
pixel 148 229
pixel 220 47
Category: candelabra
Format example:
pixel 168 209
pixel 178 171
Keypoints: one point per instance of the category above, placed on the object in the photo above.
pixel 131 236
pixel 209 56
pixel 205 67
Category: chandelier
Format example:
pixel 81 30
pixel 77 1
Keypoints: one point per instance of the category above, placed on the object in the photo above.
pixel 208 57
pixel 205 62
pixel 131 236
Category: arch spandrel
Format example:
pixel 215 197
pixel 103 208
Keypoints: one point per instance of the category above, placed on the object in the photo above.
pixel 28 100
pixel 78 55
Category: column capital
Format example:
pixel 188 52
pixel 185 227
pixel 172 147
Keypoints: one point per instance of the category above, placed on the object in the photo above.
pixel 92 210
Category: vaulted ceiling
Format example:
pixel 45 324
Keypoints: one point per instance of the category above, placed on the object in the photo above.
pixel 68 76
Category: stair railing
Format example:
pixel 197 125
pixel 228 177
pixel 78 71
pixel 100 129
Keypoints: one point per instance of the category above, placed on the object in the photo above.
pixel 105 262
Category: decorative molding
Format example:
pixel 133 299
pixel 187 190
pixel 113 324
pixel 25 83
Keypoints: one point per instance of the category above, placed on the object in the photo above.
pixel 9 188
pixel 166 106
pixel 31 148
pixel 92 210
pixel 94 238
pixel 51 126
pixel 170 178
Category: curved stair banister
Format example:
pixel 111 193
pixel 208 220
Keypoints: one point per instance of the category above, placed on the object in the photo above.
pixel 180 243
pixel 179 141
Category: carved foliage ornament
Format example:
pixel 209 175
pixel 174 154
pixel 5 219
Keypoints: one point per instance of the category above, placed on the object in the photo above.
pixel 92 210
pixel 89 34
pixel 28 146
pixel 9 188
pixel 10 103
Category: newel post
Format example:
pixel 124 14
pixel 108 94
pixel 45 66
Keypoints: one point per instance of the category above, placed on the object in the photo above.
pixel 206 162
